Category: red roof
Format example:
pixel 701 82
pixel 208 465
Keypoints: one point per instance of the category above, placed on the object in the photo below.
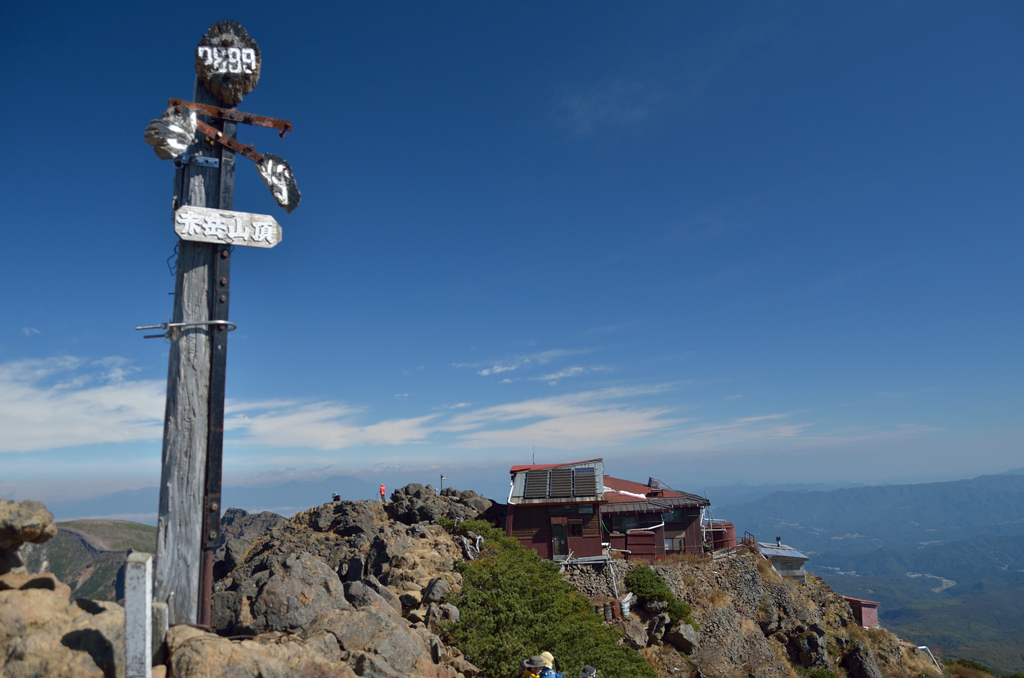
pixel 537 467
pixel 860 600
pixel 634 488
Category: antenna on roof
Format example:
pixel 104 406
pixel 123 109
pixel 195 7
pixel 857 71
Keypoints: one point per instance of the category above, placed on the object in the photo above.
pixel 534 455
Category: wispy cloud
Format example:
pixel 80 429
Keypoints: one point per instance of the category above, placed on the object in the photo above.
pixel 589 419
pixel 907 393
pixel 498 369
pixel 29 331
pixel 760 430
pixel 555 377
pixel 486 369
pixel 322 426
pixel 68 402
pixel 64 402
pixel 775 433
pixel 592 418
pixel 611 102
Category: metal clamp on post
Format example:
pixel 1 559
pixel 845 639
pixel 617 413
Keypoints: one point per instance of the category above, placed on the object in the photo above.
pixel 200 160
pixel 231 327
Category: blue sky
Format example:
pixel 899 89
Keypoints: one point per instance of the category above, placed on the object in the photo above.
pixel 709 242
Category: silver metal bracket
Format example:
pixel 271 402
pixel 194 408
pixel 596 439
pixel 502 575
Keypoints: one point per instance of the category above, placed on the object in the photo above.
pixel 230 326
pixel 200 160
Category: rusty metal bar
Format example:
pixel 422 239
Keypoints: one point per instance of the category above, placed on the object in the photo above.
pixel 238 147
pixel 220 298
pixel 234 116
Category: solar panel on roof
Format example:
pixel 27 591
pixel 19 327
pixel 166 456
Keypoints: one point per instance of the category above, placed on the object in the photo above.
pixel 561 482
pixel 536 484
pixel 585 481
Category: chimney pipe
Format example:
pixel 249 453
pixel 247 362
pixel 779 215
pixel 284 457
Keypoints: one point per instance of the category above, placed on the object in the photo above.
pixel 778 541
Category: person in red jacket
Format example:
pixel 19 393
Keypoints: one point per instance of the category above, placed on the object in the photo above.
pixel 382 491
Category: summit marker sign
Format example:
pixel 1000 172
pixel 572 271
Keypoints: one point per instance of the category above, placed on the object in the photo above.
pixel 225 227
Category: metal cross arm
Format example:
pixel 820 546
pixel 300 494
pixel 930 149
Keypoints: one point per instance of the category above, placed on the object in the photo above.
pixel 234 116
pixel 274 170
pixel 231 327
pixel 215 134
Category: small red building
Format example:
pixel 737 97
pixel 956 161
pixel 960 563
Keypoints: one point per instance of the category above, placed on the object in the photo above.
pixel 864 611
pixel 574 509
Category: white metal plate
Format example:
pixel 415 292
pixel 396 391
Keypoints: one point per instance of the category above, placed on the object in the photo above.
pixel 204 224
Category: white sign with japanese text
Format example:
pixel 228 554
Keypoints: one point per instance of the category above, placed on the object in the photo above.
pixel 204 224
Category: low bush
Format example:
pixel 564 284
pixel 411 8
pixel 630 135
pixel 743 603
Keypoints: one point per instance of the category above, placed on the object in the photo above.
pixel 513 605
pixel 647 585
pixel 680 610
pixel 815 673
pixel 969 663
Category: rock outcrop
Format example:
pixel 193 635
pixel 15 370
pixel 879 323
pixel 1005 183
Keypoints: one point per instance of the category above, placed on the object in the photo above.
pixel 22 522
pixel 371 576
pixel 43 633
pixel 755 623
pixel 240 528
pixel 418 503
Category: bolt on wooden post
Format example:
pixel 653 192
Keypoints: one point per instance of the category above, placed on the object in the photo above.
pixel 188 527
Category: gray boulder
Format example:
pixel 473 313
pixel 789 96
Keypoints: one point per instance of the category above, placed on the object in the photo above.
pixel 809 649
pixel 353 569
pixel 384 592
pixel 228 556
pixel 657 626
pixel 634 633
pixel 288 596
pixel 451 613
pixel 21 522
pixel 435 591
pixel 240 524
pixel 860 662
pixel 683 637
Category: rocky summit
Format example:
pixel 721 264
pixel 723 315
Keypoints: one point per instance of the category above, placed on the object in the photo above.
pixel 367 589
pixel 22 522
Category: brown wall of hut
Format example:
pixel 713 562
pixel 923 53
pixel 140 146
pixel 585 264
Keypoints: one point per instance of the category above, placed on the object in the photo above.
pixel 689 531
pixel 531 525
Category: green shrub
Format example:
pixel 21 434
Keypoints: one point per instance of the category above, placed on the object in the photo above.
pixel 679 610
pixel 513 605
pixel 969 663
pixel 815 673
pixel 647 585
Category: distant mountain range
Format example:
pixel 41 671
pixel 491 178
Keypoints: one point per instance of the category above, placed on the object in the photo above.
pixel 945 560
pixel 283 498
pixel 724 496
pixel 897 517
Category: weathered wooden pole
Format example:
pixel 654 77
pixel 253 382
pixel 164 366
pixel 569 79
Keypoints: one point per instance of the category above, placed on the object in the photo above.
pixel 188 427
pixel 188 524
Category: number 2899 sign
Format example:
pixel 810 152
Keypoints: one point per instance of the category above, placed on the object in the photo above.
pixel 228 61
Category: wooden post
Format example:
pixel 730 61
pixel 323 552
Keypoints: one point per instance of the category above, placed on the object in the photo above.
pixel 187 422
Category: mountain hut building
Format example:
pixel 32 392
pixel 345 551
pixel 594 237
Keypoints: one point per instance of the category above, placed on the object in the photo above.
pixel 575 510
pixel 864 611
pixel 786 560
